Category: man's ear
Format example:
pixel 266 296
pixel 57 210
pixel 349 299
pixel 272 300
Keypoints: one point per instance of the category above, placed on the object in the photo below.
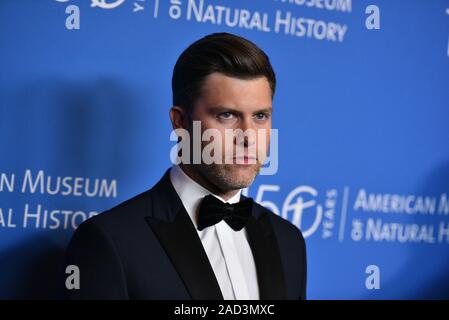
pixel 179 118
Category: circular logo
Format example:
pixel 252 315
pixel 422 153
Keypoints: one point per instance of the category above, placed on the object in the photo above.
pixel 297 208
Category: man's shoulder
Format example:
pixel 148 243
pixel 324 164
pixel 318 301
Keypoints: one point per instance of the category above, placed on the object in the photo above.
pixel 141 205
pixel 135 208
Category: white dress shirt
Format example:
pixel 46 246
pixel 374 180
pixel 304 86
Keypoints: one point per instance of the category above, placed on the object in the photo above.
pixel 228 251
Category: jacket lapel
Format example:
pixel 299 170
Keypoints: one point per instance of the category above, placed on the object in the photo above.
pixel 267 258
pixel 176 233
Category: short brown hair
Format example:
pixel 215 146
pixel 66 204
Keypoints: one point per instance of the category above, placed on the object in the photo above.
pixel 225 53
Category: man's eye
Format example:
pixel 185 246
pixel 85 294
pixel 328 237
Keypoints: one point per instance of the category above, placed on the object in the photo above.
pixel 226 115
pixel 261 116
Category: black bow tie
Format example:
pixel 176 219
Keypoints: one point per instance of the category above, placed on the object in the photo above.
pixel 212 211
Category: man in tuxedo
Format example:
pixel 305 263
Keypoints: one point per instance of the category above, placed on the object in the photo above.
pixel 193 235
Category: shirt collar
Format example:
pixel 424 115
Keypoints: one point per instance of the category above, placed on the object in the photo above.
pixel 191 193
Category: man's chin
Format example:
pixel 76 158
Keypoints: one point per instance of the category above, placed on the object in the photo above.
pixel 243 173
pixel 230 176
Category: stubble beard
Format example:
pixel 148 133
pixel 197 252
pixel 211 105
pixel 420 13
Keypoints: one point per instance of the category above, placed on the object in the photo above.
pixel 222 177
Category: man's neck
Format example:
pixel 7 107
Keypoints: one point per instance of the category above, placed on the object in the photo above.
pixel 195 176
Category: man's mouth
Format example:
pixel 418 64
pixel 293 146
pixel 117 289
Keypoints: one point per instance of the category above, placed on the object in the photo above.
pixel 245 160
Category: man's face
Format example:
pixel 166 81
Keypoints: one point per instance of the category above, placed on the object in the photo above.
pixel 232 103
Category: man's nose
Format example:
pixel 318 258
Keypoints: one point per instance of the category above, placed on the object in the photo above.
pixel 249 133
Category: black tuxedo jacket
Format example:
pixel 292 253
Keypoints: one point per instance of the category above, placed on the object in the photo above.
pixel 148 248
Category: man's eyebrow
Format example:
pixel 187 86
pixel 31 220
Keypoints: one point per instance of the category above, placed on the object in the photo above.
pixel 230 109
pixel 265 110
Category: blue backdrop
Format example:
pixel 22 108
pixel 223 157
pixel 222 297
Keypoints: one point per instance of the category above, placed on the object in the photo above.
pixel 362 108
